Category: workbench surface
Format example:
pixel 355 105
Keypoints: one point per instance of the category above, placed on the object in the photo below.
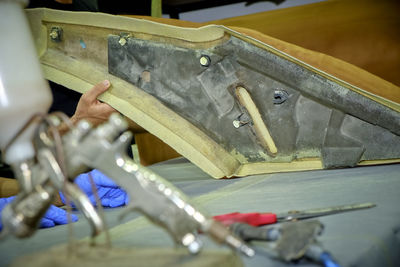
pixel 368 237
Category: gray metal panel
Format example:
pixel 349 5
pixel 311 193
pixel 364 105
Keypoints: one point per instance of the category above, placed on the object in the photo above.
pixel 306 123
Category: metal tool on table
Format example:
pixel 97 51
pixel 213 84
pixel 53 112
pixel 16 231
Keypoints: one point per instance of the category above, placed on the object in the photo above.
pixel 294 238
pixel 288 241
pixel 257 218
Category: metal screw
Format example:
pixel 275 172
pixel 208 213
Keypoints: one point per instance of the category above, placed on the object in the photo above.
pixel 53 34
pixel 56 34
pixel 238 122
pixel 122 41
pixel 205 60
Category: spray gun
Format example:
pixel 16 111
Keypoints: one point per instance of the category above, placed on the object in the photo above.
pixel 104 148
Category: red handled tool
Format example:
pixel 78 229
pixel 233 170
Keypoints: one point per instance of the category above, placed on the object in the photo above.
pixel 257 219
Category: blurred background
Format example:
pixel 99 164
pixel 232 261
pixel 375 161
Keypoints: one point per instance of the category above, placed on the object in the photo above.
pixel 191 10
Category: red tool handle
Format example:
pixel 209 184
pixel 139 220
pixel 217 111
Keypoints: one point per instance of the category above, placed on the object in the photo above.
pixel 254 218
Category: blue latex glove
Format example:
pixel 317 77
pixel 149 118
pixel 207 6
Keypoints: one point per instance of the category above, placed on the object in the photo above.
pixel 54 216
pixel 3 203
pixel 110 194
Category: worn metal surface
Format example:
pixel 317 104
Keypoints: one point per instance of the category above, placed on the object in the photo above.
pixel 315 117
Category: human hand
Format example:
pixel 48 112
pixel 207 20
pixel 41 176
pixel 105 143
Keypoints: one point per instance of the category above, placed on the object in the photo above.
pixel 90 108
pixel 54 216
pixel 3 204
pixel 110 194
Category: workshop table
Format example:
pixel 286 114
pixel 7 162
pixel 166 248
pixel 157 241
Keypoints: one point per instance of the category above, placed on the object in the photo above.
pixel 368 237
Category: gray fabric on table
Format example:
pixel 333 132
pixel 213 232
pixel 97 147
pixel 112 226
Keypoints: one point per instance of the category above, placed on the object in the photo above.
pixel 368 237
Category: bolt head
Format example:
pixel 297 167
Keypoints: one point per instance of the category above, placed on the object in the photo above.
pixel 56 34
pixel 205 61
pixel 236 124
pixel 53 35
pixel 122 41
